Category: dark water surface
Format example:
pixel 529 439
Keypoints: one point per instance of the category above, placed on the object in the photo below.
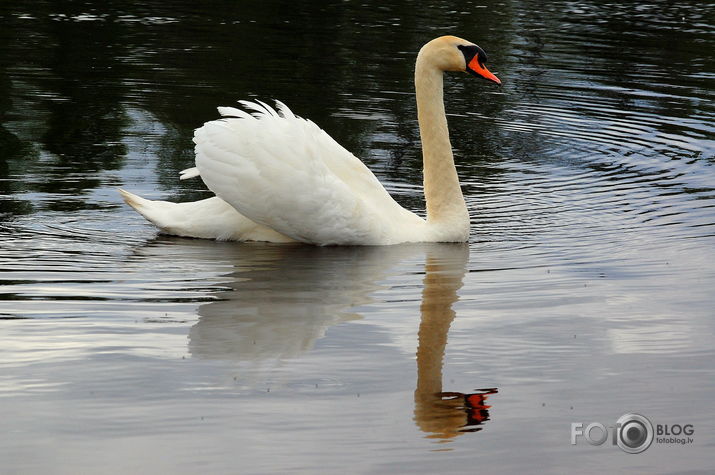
pixel 587 290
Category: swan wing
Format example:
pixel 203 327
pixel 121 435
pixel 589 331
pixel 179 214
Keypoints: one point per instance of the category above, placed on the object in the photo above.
pixel 286 173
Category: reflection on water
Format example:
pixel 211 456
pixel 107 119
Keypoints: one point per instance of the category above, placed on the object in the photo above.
pixel 282 299
pixel 586 288
pixel 443 414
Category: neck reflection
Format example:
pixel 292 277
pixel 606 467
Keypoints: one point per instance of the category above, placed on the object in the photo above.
pixel 443 415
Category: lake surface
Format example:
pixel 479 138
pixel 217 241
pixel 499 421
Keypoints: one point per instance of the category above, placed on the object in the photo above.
pixel 587 289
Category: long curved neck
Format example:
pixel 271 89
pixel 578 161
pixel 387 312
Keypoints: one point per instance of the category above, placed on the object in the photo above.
pixel 443 195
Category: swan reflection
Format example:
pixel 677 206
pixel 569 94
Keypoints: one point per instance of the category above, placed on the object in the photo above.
pixel 281 299
pixel 443 415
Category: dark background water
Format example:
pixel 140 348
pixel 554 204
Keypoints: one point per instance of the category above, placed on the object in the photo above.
pixel 586 290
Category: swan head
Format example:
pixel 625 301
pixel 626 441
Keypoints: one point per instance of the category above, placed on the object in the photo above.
pixel 450 53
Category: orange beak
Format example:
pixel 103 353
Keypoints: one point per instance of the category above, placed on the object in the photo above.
pixel 478 69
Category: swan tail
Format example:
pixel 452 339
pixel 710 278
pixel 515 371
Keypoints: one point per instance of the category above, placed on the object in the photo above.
pixel 161 214
pixel 211 218
pixel 135 201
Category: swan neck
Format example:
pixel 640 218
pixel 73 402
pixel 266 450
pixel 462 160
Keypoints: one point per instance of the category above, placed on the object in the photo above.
pixel 443 195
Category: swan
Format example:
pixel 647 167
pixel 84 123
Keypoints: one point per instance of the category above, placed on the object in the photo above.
pixel 280 178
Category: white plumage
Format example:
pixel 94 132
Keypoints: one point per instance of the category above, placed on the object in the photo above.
pixel 278 177
pixel 319 192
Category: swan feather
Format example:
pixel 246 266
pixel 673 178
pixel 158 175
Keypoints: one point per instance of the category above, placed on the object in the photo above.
pixel 189 173
pixel 286 173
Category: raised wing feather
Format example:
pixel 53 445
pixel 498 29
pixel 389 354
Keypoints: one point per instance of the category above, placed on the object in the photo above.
pixel 288 174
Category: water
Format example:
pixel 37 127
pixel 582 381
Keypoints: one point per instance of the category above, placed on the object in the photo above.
pixel 586 290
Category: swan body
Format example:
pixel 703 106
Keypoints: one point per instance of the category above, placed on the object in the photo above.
pixel 280 178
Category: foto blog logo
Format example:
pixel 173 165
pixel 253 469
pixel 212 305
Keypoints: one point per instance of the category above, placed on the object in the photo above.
pixel 632 433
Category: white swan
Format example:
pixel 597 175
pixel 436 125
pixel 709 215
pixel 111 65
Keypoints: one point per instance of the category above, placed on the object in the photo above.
pixel 280 178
